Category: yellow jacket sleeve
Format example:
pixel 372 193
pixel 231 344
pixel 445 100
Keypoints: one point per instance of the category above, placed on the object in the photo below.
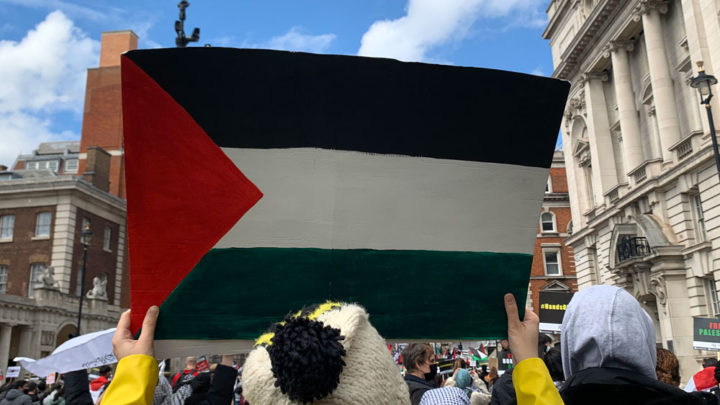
pixel 533 385
pixel 134 383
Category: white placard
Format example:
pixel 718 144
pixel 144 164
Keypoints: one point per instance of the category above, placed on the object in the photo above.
pixel 13 372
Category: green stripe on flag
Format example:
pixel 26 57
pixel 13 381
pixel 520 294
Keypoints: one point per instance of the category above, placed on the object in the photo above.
pixel 237 293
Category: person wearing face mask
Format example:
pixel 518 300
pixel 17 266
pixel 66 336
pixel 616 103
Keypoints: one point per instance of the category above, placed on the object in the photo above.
pixel 419 361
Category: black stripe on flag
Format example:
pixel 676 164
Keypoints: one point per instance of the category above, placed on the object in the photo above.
pixel 249 98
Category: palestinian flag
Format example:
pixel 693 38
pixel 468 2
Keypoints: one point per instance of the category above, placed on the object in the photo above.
pixel 479 355
pixel 262 181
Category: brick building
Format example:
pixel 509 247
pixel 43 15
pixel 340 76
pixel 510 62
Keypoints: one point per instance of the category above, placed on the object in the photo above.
pixel 46 200
pixel 553 267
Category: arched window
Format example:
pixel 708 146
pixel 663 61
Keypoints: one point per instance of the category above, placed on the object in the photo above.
pixel 547 222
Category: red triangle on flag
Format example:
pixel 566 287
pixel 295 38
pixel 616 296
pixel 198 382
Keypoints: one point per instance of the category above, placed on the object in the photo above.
pixel 183 192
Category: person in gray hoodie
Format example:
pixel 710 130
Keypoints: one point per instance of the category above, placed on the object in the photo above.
pixel 608 353
pixel 15 396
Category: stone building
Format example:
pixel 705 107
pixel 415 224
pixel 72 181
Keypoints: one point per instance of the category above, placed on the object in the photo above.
pixel 44 207
pixel 643 185
pixel 553 266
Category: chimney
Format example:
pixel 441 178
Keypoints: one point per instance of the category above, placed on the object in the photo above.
pixel 97 168
pixel 113 44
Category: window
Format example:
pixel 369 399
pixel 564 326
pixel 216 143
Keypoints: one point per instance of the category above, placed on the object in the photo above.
pixel 42 224
pixel 36 271
pixel 698 217
pixel 106 238
pixel 7 223
pixel 3 279
pixel 548 185
pixel 43 164
pixel 552 262
pixel 712 297
pixel 548 222
pixel 71 165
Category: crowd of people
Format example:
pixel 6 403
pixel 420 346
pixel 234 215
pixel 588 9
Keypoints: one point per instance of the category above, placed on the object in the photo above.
pixel 331 354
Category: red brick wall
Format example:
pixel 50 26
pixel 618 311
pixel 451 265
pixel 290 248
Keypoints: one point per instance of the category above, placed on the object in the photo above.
pixel 99 261
pixel 558 179
pixel 23 251
pixel 102 119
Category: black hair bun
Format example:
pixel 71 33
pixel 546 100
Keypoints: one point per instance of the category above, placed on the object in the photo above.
pixel 306 359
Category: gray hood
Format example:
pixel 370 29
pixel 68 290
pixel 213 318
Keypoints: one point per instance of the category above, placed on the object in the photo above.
pixel 604 326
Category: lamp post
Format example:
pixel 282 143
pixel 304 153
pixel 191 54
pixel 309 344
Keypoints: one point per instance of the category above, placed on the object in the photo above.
pixel 85 238
pixel 703 83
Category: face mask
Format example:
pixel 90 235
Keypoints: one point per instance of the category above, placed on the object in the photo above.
pixel 431 375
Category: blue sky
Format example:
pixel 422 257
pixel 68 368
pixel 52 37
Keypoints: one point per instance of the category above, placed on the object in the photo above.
pixel 46 45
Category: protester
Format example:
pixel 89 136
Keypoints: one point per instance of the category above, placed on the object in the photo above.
pixel 704 379
pixel 325 354
pixel 531 379
pixel 544 344
pixel 136 374
pixel 505 354
pixel 503 391
pixel 55 397
pixel 553 361
pixel 41 388
pixel 445 396
pixel 77 389
pixel 419 361
pixel 16 396
pixel 668 367
pixel 186 375
pixel 475 390
pixel 476 383
pixel 98 384
pixel 32 391
pixel 609 353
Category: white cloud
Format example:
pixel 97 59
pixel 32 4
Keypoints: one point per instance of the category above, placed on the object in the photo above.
pixel 297 40
pixel 430 23
pixel 71 9
pixel 43 74
pixel 538 71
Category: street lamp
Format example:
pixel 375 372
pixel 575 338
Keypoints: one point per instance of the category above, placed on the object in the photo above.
pixel 703 83
pixel 85 238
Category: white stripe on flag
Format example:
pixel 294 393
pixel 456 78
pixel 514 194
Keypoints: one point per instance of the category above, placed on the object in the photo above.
pixel 319 198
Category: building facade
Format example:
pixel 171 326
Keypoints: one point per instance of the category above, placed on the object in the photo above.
pixel 47 199
pixel 553 266
pixel 644 190
pixel 44 207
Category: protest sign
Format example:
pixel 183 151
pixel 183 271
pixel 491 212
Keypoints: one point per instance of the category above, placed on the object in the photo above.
pixel 706 334
pixel 202 364
pixel 321 177
pixel 552 309
pixel 13 372
pixel 50 379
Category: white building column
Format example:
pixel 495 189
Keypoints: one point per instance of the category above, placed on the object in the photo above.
pixel 601 147
pixel 629 121
pixel 662 84
pixel 63 238
pixel 5 336
pixel 702 29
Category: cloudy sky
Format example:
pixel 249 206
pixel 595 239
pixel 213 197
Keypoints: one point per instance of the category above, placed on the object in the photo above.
pixel 47 45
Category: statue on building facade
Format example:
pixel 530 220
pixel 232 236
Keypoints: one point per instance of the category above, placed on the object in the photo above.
pixel 47 279
pixel 99 290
